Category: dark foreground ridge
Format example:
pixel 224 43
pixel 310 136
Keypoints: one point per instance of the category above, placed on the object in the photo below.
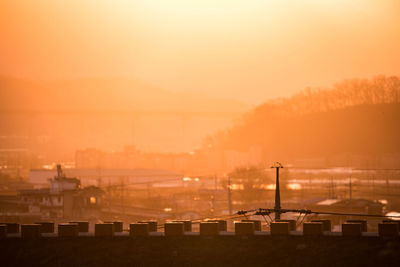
pixel 202 251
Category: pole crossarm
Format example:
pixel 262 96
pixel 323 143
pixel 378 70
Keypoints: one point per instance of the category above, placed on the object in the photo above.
pixel 277 165
pixel 264 211
pixel 277 210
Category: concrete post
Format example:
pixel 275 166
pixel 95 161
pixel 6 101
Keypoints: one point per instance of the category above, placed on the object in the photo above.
pixel 292 224
pixel 257 224
pixel 326 224
pixel 104 229
pixel 388 229
pixel 118 226
pixel 209 228
pixel 46 227
pixel 280 228
pixel 67 230
pixel 174 229
pixel 187 224
pixel 3 231
pixel 152 225
pixel 363 224
pixel 244 228
pixel 30 231
pixel 351 229
pixel 13 228
pixel 223 226
pixel 139 229
pixel 312 228
pixel 83 227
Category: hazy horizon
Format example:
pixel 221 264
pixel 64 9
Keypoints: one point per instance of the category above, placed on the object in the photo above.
pixel 189 69
pixel 165 132
pixel 247 51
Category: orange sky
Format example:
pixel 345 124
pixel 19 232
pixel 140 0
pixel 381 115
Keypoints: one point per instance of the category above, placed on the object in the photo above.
pixel 249 50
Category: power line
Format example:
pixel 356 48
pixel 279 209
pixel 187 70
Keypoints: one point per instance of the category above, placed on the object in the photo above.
pixel 356 169
pixel 263 211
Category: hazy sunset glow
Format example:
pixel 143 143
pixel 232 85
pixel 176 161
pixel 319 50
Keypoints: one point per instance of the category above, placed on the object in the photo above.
pixel 247 50
pixel 200 132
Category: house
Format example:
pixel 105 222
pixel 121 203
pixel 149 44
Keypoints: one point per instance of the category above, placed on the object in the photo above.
pixel 63 199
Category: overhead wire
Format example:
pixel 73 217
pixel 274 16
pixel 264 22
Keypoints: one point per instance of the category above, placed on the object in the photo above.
pixel 266 212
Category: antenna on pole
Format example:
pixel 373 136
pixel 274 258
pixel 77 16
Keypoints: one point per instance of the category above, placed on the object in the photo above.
pixel 277 207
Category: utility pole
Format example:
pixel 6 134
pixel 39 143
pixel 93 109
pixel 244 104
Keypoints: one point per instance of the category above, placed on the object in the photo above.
pixel 387 185
pixel 229 196
pixel 373 187
pixel 351 189
pixel 351 196
pixel 214 195
pixel 332 189
pixel 122 195
pixel 277 207
pixel 99 179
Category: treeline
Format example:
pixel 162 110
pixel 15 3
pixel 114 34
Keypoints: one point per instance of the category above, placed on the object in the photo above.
pixel 355 116
pixel 378 90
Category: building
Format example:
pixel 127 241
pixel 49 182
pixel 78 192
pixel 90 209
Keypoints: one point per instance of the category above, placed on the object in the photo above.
pixel 63 199
pixel 39 178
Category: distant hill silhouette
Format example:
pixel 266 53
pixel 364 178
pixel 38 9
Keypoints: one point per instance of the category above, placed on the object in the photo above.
pixel 54 118
pixel 355 117
pixel 111 94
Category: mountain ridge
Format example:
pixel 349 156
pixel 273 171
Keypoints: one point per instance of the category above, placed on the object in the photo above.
pixel 111 94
